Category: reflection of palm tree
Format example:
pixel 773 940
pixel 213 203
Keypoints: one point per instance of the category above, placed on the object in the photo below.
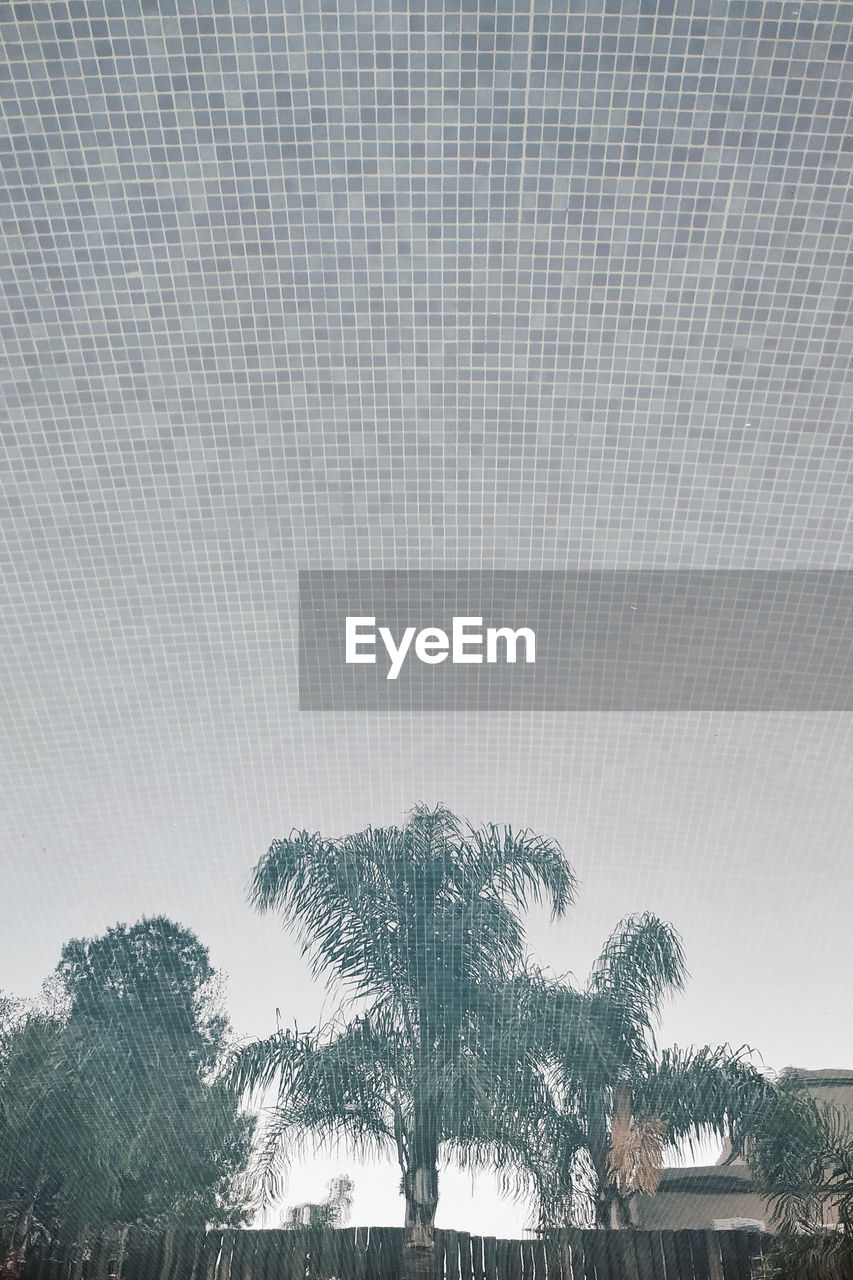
pixel 421 921
pixel 616 1112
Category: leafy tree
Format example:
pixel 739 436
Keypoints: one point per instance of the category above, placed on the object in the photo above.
pixel 615 1112
pixel 110 1109
pixel 42 1129
pixel 156 977
pixel 420 923
pixel 801 1158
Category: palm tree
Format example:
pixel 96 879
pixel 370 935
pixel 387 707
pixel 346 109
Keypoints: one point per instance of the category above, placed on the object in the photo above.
pixel 421 922
pixel 615 1112
pixel 801 1158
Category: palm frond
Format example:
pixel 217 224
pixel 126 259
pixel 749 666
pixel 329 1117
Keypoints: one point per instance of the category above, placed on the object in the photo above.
pixel 818 1254
pixel 335 1086
pixel 522 867
pixel 396 909
pixel 252 1068
pixel 801 1153
pixel 642 962
pixel 701 1093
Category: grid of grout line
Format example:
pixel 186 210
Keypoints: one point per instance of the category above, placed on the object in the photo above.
pixel 409 283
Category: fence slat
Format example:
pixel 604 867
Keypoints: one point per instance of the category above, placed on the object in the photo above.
pixel 360 1254
pixel 504 1260
pixel 625 1255
pixel 237 1268
pixel 463 1244
pixel 267 1255
pixel 489 1257
pixel 99 1266
pixel 186 1241
pixel 150 1255
pixel 643 1250
pixel 578 1254
pixel 746 1249
pixel 346 1248
pixel 391 1243
pixel 537 1253
pixel 699 1254
pixel 683 1255
pixel 209 1254
pixel 448 1257
pixel 608 1253
pixel 293 1256
pixel 478 1268
pixel 593 1247
pixel 171 1245
pixel 194 1257
pixel 344 1252
pixel 516 1265
pixel 728 1254
pixel 670 1259
pixel 656 1250
pixel 712 1251
pixel 223 1266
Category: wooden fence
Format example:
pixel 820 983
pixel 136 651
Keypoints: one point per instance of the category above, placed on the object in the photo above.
pixel 374 1253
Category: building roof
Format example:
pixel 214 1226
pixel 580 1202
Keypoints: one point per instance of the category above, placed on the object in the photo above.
pixel 708 1178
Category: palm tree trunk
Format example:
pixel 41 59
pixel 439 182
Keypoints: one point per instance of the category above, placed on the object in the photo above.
pixel 421 1191
pixel 420 1188
pixel 599 1151
pixel 603 1208
pixel 611 1210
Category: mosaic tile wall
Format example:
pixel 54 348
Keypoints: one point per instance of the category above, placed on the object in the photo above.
pixel 397 285
pixel 426 282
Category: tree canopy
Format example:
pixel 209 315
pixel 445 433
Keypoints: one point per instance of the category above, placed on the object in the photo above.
pixel 800 1153
pixel 421 922
pixel 110 1105
pixel 613 1113
pixel 460 1046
